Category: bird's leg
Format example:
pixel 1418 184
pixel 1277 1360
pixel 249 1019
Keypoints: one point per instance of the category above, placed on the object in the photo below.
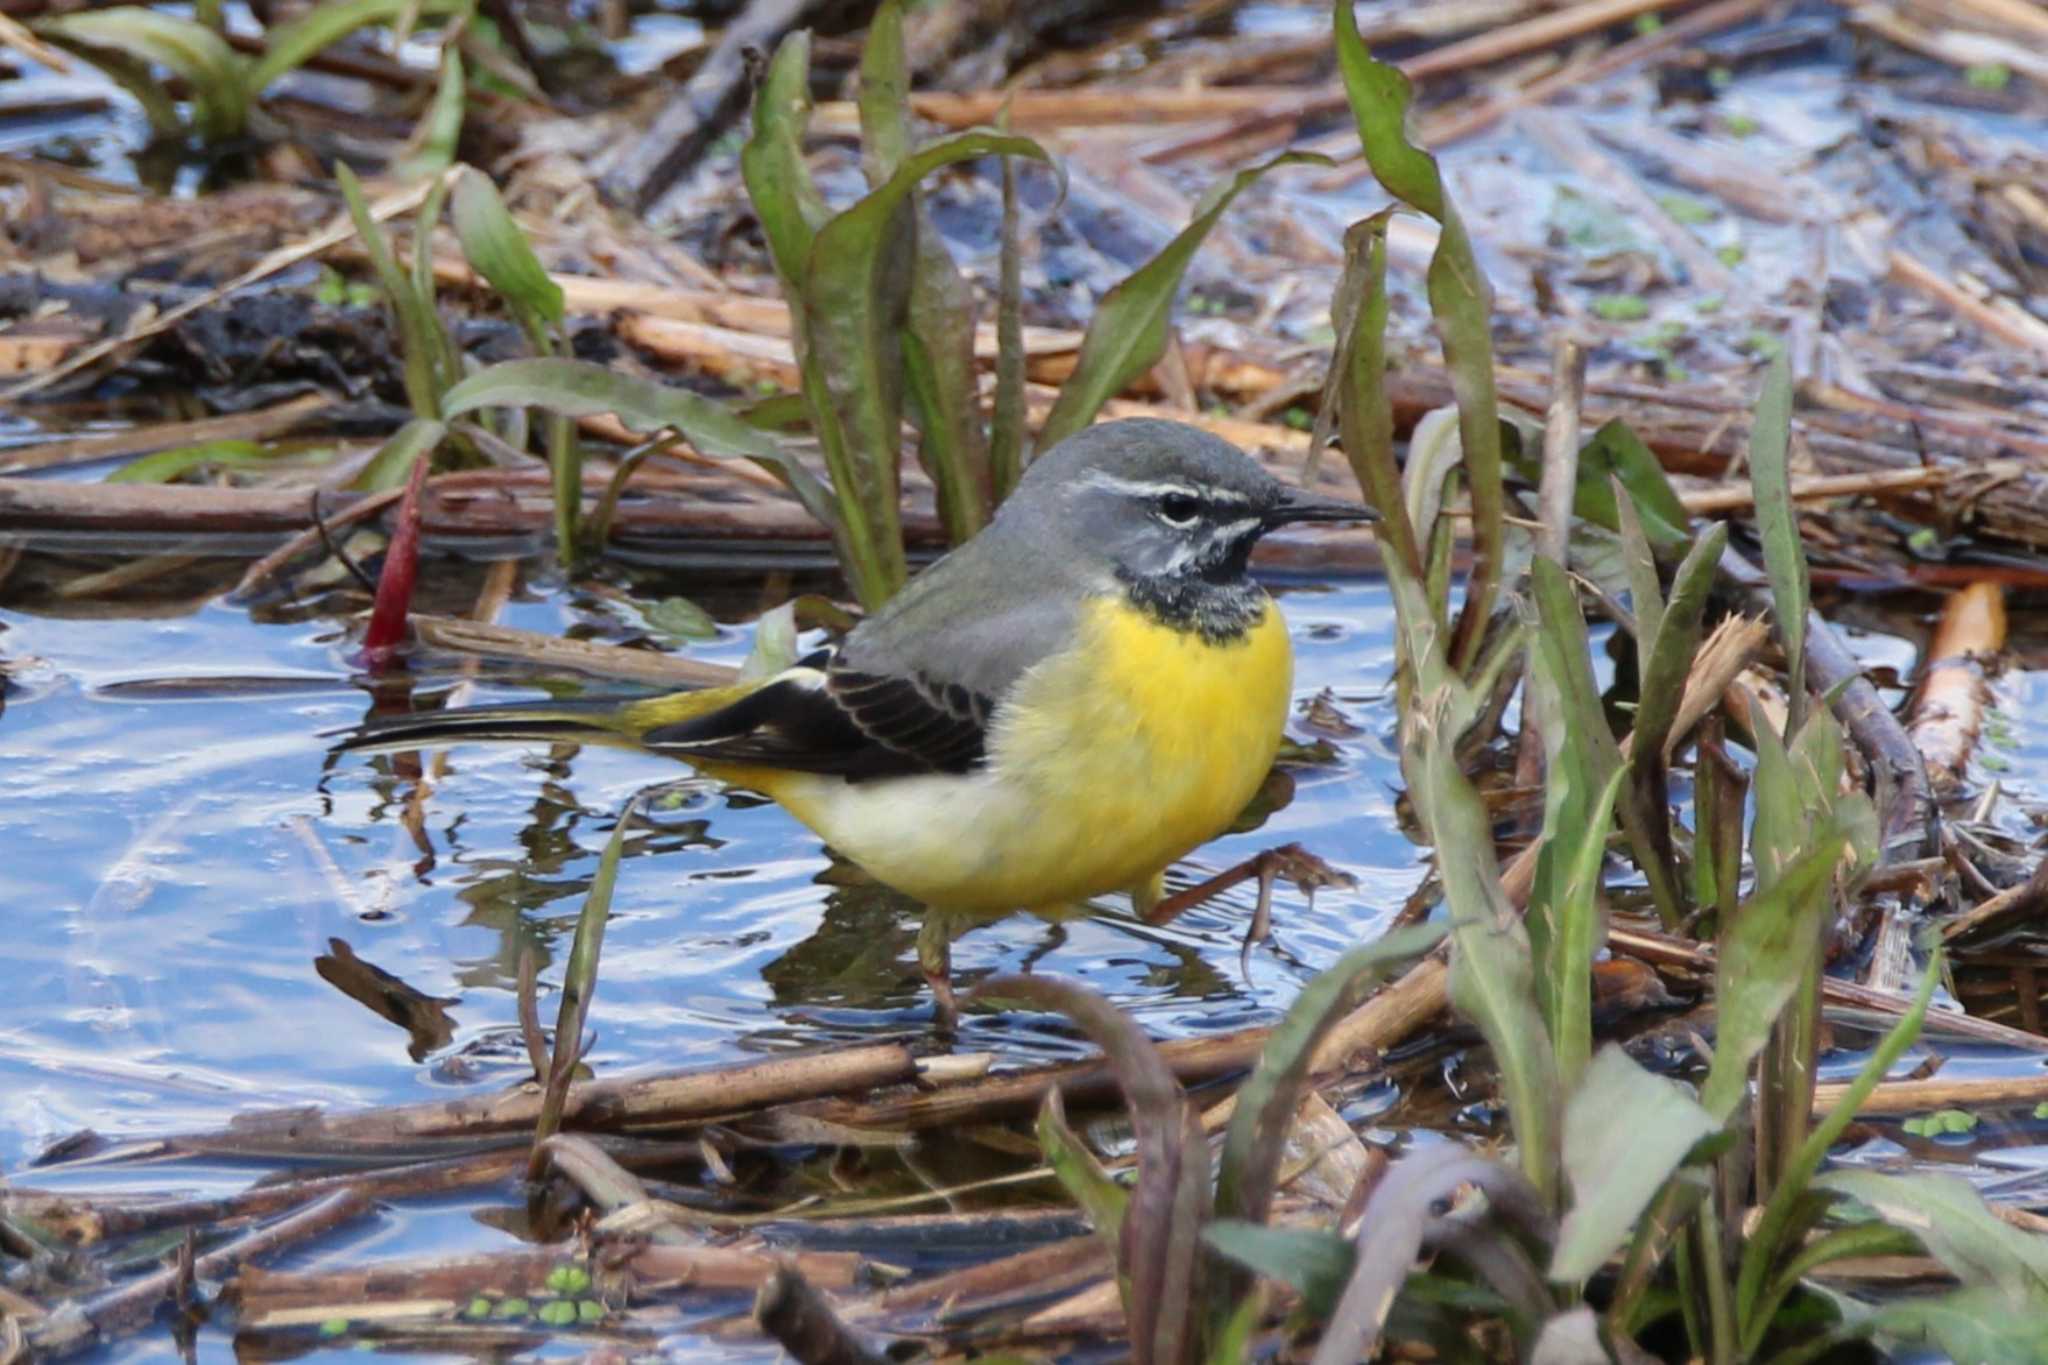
pixel 935 959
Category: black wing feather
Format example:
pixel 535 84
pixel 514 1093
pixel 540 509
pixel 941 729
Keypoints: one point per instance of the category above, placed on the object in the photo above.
pixel 858 726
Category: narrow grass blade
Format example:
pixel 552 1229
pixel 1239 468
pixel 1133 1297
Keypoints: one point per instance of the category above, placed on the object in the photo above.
pixel 1084 1177
pixel 1265 1104
pixel 292 44
pixel 1358 388
pixel 1006 453
pixel 1616 1167
pixel 1460 301
pixel 856 300
pixel 1492 983
pixel 163 466
pixel 1949 1217
pixel 1762 959
pixel 1666 654
pixel 1160 1240
pixel 1774 1228
pixel 1645 590
pixel 579 983
pixel 214 74
pixel 440 128
pixel 578 388
pixel 419 330
pixel 1127 335
pixel 395 459
pixel 1770 441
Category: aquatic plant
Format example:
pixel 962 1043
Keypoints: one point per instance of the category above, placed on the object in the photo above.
pixel 131 44
pixel 1594 1235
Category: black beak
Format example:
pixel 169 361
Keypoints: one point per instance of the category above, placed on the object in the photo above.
pixel 1301 505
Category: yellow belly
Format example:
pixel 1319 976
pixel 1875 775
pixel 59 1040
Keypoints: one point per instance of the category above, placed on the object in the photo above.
pixel 1107 762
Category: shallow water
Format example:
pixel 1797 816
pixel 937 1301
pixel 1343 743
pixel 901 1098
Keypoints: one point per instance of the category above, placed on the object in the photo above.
pixel 181 846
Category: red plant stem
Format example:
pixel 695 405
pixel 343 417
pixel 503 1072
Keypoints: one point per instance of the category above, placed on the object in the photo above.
pixel 395 580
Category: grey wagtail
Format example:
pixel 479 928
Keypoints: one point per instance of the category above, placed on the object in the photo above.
pixel 1060 708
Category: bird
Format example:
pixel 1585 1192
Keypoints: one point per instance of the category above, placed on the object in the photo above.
pixel 1059 708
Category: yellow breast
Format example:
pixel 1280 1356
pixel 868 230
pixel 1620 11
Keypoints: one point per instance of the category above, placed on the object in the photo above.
pixel 1108 761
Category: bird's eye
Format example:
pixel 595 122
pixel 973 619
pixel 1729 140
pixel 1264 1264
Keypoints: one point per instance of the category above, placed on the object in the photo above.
pixel 1179 509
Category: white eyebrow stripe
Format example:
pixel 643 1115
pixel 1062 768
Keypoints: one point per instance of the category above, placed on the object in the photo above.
pixel 1145 489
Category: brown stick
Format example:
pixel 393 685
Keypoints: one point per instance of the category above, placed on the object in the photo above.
pixel 672 1099
pixel 1999 318
pixel 261 425
pixel 791 1311
pixel 1948 707
pixel 1914 1097
pixel 1382 1022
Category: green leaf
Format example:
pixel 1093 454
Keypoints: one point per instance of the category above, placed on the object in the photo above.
pixel 779 184
pixel 884 95
pixel 1492 981
pixel 1267 1101
pixel 213 73
pixel 679 619
pixel 1770 441
pixel 1357 389
pixel 856 299
pixel 1460 302
pixel 393 462
pixel 1672 644
pixel 292 44
pixel 497 249
pixel 419 329
pixel 1093 1188
pixel 1645 592
pixel 1161 1242
pixel 1616 454
pixel 1625 1132
pixel 577 388
pixel 1949 1217
pixel 579 978
pixel 1127 335
pixel 774 646
pixel 165 465
pixel 1007 451
pixel 1313 1263
pixel 440 127
pixel 1776 1227
pixel 938 344
pixel 1762 958
pixel 1978 1326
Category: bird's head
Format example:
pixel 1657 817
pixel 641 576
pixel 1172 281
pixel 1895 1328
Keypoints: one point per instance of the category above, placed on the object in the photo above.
pixel 1164 506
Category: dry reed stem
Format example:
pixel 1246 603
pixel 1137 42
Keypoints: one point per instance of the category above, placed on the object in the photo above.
pixel 676 1098
pixel 425 1288
pixel 1998 318
pixel 1973 1093
pixel 1947 711
pixel 262 424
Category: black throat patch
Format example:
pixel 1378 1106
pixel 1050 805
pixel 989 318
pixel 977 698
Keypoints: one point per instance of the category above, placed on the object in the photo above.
pixel 1222 613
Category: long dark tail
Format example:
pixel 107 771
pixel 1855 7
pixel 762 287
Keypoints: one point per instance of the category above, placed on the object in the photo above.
pixel 601 720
